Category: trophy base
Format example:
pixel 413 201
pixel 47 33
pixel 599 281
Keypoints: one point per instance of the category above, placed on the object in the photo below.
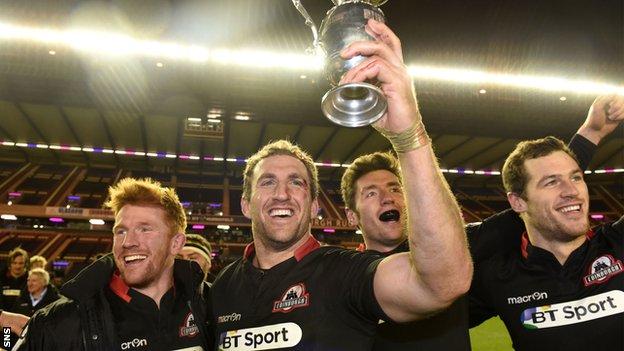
pixel 354 104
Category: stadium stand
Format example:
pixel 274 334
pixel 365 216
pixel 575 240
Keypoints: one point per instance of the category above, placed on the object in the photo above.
pixel 73 243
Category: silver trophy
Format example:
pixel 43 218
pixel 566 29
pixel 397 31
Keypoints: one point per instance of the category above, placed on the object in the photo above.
pixel 352 104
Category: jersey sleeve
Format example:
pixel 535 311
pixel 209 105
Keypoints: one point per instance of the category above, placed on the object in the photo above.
pixel 479 307
pixel 498 233
pixel 356 275
pixel 583 149
pixel 614 232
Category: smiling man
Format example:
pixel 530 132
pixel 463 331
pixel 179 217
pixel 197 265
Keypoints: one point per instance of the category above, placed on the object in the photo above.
pixel 137 298
pixel 289 292
pixel 38 293
pixel 562 288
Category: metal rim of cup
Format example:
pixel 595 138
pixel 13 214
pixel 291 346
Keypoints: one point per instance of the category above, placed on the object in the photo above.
pixel 355 112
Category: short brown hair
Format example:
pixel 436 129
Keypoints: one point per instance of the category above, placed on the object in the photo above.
pixel 515 176
pixel 17 252
pixel 280 147
pixel 148 192
pixel 362 166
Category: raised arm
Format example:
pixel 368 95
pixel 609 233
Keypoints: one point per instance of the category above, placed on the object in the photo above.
pixel 605 114
pixel 438 268
pixel 501 231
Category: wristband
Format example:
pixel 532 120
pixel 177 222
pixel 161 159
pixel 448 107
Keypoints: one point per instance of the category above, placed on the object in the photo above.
pixel 410 139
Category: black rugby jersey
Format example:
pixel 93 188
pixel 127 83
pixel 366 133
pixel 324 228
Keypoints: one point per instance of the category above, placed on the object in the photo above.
pixel 320 299
pixel 141 325
pixel 447 330
pixel 547 306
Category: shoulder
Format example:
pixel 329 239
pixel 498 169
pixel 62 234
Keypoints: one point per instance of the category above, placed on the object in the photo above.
pixel 498 267
pixel 231 268
pixel 497 233
pixel 90 281
pixel 57 326
pixel 330 253
pixel 61 314
pixel 345 264
pixel 226 274
pixel 52 292
pixel 57 310
pixel 616 228
pixel 611 233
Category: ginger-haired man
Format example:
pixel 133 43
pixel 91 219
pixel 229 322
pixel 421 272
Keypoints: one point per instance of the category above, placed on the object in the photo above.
pixel 139 296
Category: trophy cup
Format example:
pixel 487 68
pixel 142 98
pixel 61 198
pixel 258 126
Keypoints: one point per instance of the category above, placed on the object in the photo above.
pixel 352 104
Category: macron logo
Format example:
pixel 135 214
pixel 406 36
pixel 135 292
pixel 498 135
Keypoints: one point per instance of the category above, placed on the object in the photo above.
pixel 133 344
pixel 234 317
pixel 527 298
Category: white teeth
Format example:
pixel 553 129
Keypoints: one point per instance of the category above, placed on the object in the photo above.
pixel 134 258
pixel 281 213
pixel 571 208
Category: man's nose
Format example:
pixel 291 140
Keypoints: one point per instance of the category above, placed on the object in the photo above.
pixel 386 197
pixel 130 239
pixel 281 191
pixel 569 189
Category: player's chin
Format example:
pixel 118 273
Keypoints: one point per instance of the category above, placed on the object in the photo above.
pixel 133 279
pixel 577 229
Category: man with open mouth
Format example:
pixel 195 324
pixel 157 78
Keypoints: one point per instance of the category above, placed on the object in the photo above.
pixel 372 191
pixel 138 297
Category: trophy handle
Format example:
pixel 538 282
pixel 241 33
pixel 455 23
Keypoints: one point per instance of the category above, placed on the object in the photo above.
pixel 308 21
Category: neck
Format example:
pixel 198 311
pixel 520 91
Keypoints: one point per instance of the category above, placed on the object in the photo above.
pixel 560 249
pixel 267 256
pixel 157 290
pixel 382 247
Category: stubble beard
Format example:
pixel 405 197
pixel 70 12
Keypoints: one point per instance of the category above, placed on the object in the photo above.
pixel 140 279
pixel 550 228
pixel 273 243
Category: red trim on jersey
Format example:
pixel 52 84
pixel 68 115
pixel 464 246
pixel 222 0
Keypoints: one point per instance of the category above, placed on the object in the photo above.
pixel 249 251
pixel 310 245
pixel 524 243
pixel 361 247
pixel 119 287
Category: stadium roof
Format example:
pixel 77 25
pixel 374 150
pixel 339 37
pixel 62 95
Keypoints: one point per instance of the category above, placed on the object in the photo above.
pixel 56 94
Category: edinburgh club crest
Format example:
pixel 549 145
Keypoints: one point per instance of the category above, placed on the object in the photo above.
pixel 294 297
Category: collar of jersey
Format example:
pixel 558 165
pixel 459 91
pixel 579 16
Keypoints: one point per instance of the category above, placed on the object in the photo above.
pixel 536 254
pixel 119 287
pixel 402 247
pixel 310 245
